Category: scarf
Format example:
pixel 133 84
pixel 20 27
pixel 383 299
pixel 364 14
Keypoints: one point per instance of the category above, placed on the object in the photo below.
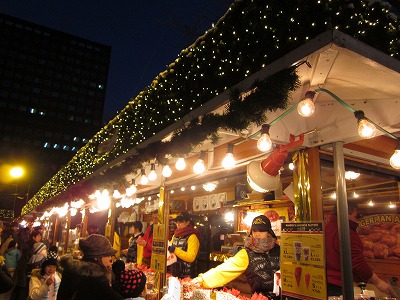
pixel 187 231
pixel 259 245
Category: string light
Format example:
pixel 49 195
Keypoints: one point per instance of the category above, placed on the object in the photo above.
pixel 180 164
pixel 264 143
pixel 144 179
pixel 199 167
pixel 306 107
pixel 167 172
pixel 229 161
pixel 132 189
pixel 366 129
pixel 395 158
pixel 152 174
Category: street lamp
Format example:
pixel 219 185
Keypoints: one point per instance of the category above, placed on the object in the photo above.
pixel 16 173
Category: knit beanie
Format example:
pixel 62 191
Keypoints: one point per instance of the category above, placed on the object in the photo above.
pixel 52 258
pixel 38 247
pixel 96 245
pixel 262 223
pixel 128 283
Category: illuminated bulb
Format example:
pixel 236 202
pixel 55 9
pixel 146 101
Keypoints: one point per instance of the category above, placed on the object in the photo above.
pixel 180 164
pixel 371 203
pixel 116 193
pixel 264 143
pixel 395 159
pixel 193 187
pixel 167 172
pixel 391 205
pixel 229 161
pixel 199 167
pixel 306 107
pixel 366 129
pixel 172 191
pixel 152 174
pixel 333 195
pixel 182 189
pixel 132 189
pixel 143 179
pixel 351 175
pixel 229 217
pixel 97 194
pixel 73 211
pixel 355 195
pixel 291 166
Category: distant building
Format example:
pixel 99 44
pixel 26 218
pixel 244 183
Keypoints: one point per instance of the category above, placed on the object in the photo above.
pixel 52 93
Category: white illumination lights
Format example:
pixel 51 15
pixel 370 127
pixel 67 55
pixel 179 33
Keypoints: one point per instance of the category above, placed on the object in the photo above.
pixel 264 143
pixel 229 161
pixel 180 164
pixel 131 190
pixel 392 205
pixel 306 107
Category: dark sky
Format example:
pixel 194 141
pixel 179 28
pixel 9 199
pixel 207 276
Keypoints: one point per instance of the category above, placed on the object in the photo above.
pixel 145 35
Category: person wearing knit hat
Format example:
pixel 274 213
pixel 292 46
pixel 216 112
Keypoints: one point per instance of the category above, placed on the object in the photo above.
pixel 128 283
pixel 44 282
pixel 90 277
pixel 258 261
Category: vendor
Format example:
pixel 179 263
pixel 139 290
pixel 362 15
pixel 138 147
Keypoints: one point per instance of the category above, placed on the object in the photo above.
pixel 185 245
pixel 258 260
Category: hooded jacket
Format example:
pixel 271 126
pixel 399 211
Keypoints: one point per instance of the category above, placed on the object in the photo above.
pixel 84 280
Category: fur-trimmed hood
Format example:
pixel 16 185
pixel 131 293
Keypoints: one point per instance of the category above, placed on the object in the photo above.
pixel 80 267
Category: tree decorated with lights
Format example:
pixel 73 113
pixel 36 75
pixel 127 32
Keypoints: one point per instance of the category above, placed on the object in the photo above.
pixel 251 35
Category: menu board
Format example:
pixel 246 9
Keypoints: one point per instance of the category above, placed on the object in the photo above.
pixel 158 251
pixel 302 260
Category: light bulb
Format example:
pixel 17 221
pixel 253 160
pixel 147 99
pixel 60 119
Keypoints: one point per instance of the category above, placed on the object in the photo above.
pixel 143 179
pixel 199 166
pixel 306 107
pixel 264 143
pixel 116 194
pixel 229 161
pixel 132 189
pixel 180 164
pixel 152 174
pixel 366 129
pixel 167 172
pixel 395 159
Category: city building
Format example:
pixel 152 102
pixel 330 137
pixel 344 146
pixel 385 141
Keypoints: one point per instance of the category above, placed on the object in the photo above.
pixel 52 93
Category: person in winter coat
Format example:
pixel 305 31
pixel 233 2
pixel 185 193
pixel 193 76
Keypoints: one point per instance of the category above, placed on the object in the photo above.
pixel 362 272
pixel 131 252
pixel 89 278
pixel 185 244
pixel 147 240
pixel 12 256
pixel 258 260
pixel 6 282
pixel 129 283
pixel 45 282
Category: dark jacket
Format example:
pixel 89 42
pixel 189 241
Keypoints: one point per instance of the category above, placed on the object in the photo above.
pixel 132 249
pixel 181 268
pixel 261 269
pixel 83 280
pixel 6 282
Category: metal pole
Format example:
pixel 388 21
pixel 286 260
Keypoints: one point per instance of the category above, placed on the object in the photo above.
pixel 343 222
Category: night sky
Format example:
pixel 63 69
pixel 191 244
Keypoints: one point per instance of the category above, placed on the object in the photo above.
pixel 145 35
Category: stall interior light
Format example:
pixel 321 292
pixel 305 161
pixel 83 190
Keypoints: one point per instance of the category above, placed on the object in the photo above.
pixel 306 107
pixel 152 174
pixel 210 186
pixel 366 129
pixel 199 167
pixel 229 161
pixel 392 205
pixel 132 189
pixel 264 143
pixel 371 203
pixel 180 164
pixel 167 172
pixel 144 179
pixel 351 175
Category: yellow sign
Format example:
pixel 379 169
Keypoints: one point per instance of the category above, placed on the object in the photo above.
pixel 158 256
pixel 302 260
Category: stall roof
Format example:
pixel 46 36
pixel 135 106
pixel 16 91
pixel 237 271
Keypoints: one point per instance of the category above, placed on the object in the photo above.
pixel 362 76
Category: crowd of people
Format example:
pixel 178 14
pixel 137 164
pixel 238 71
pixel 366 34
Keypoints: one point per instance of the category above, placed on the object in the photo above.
pixel 31 267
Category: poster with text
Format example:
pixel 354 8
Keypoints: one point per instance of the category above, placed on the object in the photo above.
pixel 302 260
